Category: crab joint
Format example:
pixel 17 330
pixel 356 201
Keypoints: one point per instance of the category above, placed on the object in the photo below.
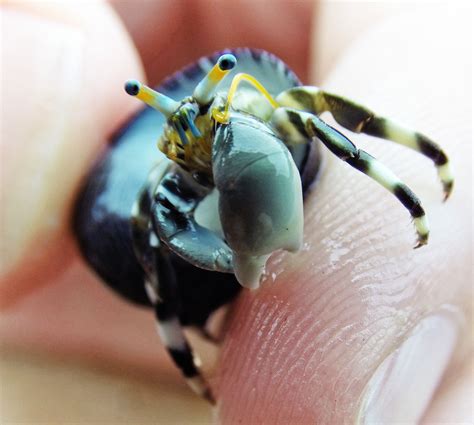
pixel 158 101
pixel 204 91
pixel 223 116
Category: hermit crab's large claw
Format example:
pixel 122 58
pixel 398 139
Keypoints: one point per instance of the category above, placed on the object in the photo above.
pixel 260 195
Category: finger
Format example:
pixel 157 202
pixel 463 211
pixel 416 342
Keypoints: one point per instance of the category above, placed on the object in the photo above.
pixel 200 27
pixel 339 24
pixel 103 358
pixel 453 400
pixel 358 326
pixel 61 97
pixel 158 31
pixel 63 318
pixel 76 318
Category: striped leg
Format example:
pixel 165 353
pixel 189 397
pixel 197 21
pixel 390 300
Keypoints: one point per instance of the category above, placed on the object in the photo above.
pixel 309 125
pixel 162 292
pixel 359 119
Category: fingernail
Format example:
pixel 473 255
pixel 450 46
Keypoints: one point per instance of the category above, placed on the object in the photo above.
pixel 401 388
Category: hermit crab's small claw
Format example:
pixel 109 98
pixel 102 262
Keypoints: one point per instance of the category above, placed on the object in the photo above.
pixel 158 101
pixel 205 90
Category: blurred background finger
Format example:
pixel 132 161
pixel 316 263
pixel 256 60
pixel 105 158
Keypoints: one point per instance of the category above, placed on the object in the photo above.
pixel 169 35
pixel 61 69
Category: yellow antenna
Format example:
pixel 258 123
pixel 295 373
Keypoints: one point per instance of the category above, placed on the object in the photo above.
pixel 223 117
pixel 158 101
pixel 205 90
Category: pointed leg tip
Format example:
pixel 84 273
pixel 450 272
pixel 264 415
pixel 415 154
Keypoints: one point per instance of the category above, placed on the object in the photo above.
pixel 447 190
pixel 447 194
pixel 422 241
pixel 201 387
pixel 209 396
pixel 209 337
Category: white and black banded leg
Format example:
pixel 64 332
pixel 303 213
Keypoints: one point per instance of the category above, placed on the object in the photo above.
pixel 360 119
pixel 309 125
pixel 162 292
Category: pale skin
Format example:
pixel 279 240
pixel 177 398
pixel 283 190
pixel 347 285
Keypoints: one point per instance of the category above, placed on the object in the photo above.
pixel 352 227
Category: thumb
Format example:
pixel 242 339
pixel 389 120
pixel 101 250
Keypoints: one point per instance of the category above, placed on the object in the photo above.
pixel 61 69
pixel 359 326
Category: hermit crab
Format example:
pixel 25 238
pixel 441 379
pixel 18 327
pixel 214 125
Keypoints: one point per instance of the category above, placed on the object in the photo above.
pixel 182 228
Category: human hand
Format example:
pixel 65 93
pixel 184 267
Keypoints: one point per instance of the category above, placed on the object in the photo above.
pixel 358 326
pixel 317 333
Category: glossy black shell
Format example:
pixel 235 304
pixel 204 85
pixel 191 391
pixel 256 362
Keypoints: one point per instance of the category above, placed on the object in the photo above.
pixel 103 209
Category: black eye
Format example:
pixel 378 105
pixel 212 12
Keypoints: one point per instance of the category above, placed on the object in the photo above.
pixel 132 87
pixel 227 62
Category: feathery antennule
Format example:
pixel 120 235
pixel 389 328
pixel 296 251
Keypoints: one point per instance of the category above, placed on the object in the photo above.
pixel 205 90
pixel 158 101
